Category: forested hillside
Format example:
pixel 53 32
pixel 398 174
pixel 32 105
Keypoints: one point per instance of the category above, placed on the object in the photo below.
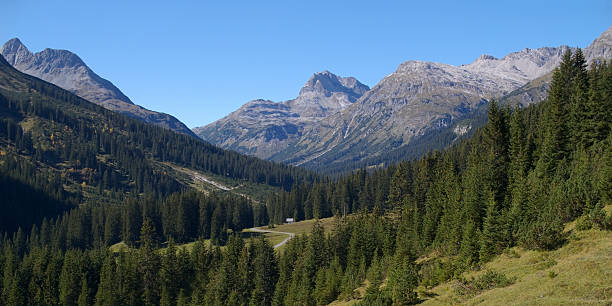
pixel 421 222
pixel 69 151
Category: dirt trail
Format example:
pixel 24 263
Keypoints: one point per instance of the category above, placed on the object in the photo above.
pixel 218 185
pixel 259 230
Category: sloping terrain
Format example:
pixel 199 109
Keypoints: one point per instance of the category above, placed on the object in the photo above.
pixel 578 273
pixel 419 107
pixel 66 70
pixel 421 98
pixel 78 152
pixel 262 127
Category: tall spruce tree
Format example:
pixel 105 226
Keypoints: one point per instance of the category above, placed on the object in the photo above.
pixel 149 264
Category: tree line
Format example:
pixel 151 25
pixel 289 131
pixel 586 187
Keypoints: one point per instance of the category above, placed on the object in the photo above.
pixel 77 152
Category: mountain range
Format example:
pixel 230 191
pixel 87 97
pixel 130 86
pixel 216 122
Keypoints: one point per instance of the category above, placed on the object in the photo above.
pixel 337 123
pixel 417 100
pixel 263 127
pixel 66 70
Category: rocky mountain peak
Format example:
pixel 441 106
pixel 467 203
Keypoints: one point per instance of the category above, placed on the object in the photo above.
pixel 61 58
pixel 486 57
pixel 326 83
pixel 15 51
pixel 68 71
pixel 266 127
pixel 606 35
pixel 324 126
pixel 12 45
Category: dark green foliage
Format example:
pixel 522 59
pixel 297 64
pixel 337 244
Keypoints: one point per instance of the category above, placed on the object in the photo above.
pixel 436 271
pixel 26 204
pixel 58 150
pixel 265 268
pixel 149 264
pixel 517 181
pixel 376 296
pixel 598 217
pixel 584 223
pixel 493 236
pixel 403 280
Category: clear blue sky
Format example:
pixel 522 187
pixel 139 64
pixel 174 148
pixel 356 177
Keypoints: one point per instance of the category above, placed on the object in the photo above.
pixel 200 60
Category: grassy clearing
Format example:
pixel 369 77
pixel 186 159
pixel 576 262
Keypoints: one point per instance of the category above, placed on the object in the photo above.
pixel 302 227
pixel 123 247
pixel 297 228
pixel 119 247
pixel 275 238
pixel 579 273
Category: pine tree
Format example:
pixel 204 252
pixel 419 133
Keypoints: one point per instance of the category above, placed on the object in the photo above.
pixel 265 273
pixel 497 142
pixel 519 166
pixel 555 130
pixel 227 276
pixel 469 251
pixel 401 184
pixel 491 241
pixel 169 273
pixel 107 293
pixel 580 114
pixel 403 280
pixel 85 295
pixel 70 278
pixel 448 236
pixel 149 264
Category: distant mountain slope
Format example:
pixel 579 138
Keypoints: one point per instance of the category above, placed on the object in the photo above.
pixel 417 98
pixel 262 127
pixel 66 70
pixel 73 151
pixel 422 104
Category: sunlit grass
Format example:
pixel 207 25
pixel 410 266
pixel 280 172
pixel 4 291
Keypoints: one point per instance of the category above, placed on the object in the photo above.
pixel 579 273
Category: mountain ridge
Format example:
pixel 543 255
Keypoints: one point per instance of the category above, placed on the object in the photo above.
pixel 418 98
pixel 68 71
pixel 263 127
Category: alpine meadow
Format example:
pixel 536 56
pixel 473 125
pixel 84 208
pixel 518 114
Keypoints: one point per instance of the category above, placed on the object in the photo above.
pixel 485 183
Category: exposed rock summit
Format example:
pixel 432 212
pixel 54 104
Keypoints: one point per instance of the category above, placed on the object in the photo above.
pixel 66 70
pixel 263 127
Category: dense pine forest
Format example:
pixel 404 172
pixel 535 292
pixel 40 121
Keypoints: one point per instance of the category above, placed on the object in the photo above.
pixel 58 150
pixel 516 181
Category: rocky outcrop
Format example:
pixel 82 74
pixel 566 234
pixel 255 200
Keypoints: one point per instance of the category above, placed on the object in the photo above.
pixel 66 70
pixel 263 128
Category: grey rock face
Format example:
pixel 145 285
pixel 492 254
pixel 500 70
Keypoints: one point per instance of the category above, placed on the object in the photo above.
pixel 537 89
pixel 66 70
pixel 600 48
pixel 415 99
pixel 326 93
pixel 263 128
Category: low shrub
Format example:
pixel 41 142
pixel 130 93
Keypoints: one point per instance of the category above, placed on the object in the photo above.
pixel 486 281
pixel 584 223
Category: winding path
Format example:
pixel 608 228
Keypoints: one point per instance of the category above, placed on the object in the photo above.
pixel 259 230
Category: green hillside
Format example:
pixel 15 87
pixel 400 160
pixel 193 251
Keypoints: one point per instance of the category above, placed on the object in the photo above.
pixel 77 152
pixel 578 273
pixel 483 221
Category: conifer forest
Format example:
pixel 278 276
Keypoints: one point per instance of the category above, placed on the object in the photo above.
pixel 77 180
